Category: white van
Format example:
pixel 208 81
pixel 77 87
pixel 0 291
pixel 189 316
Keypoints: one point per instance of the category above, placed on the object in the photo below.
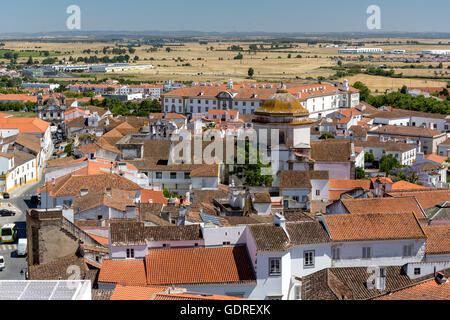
pixel 2 263
pixel 22 247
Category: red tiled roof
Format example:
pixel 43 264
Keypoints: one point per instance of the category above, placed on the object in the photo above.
pixel 25 125
pixel 429 290
pixel 123 292
pixel 405 185
pixel 436 158
pixel 131 272
pixel 99 239
pixel 349 184
pixel 199 266
pixel 384 206
pixel 438 239
pixel 155 196
pixel 385 226
pixel 427 197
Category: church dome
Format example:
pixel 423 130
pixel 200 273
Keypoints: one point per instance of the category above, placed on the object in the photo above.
pixel 52 101
pixel 282 103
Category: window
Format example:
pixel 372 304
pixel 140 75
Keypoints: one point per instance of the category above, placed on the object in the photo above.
pixel 295 198
pixel 227 243
pixel 173 175
pixel 187 176
pixel 274 267
pixel 165 245
pixel 67 203
pixel 308 259
pixel 417 271
pixel 367 253
pixel 317 192
pixel 130 253
pixel 408 250
pixel 304 198
pixel 159 175
pixel 336 253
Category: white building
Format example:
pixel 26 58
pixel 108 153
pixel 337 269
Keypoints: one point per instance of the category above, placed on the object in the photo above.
pixel 361 51
pixel 436 52
pixel 319 99
pixel 48 86
pixel 403 152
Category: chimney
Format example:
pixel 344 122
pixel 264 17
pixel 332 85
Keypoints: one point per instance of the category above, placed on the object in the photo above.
pixel 378 282
pixel 108 192
pixel 440 278
pixel 280 221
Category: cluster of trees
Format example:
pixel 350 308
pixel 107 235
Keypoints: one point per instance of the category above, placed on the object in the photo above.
pixel 402 100
pixel 105 59
pixel 251 174
pixel 17 106
pixel 117 107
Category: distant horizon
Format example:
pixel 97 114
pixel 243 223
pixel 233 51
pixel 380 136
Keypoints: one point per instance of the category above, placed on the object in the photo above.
pixel 232 16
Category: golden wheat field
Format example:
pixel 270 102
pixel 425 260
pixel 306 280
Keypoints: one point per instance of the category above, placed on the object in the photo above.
pixel 193 61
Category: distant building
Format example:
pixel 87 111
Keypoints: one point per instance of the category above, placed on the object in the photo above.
pixel 436 52
pixel 361 50
pixel 246 97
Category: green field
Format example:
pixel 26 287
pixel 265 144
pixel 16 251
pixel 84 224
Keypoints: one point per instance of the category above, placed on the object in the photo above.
pixel 26 54
pixel 18 114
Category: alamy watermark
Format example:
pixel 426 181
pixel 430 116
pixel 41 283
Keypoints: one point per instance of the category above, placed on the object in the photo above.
pixel 74 20
pixel 374 19
pixel 212 148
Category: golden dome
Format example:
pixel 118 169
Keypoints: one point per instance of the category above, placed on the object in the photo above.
pixel 282 103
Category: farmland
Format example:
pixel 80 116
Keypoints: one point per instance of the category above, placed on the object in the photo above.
pixel 217 60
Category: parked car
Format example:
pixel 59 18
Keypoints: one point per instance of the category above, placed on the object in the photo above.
pixel 2 263
pixel 6 213
pixel 6 195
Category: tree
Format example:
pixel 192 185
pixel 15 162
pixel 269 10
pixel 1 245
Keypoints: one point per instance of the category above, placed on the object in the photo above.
pixel 69 149
pixel 251 72
pixel 239 57
pixel 250 174
pixel 30 61
pixel 168 194
pixel 326 136
pixel 404 89
pixel 369 157
pixel 360 173
pixel 364 90
pixel 387 163
pixel 168 49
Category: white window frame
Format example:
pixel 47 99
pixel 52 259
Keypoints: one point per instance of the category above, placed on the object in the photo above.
pixel 309 261
pixel 273 262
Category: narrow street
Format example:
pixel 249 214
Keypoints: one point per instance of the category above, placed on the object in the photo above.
pixel 20 202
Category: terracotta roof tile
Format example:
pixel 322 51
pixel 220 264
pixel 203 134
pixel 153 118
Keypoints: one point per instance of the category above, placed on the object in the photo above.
pixel 383 205
pixel 438 239
pixel 199 266
pixel 127 272
pixel 385 226
pixel 427 198
pixel 331 151
pixel 429 290
pixel 127 292
pixel 405 185
pixel 135 233
pixel 300 179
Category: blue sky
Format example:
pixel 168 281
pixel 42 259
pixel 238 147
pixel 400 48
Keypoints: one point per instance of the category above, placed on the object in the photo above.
pixel 225 15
